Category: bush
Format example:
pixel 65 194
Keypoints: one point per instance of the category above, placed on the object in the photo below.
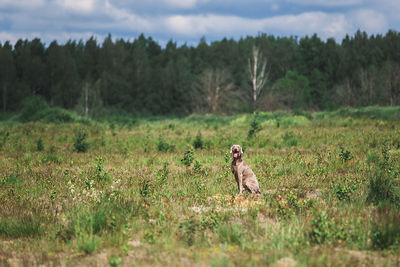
pixel 198 142
pixel 81 145
pixel 187 158
pixel 382 187
pixel 163 146
pixel 255 126
pixel 39 144
pixel 32 106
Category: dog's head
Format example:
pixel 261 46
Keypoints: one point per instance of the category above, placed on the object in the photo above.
pixel 237 151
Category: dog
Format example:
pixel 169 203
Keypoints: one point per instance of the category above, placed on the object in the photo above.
pixel 245 178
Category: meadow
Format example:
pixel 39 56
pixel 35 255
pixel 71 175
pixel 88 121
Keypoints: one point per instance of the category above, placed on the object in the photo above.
pixel 159 191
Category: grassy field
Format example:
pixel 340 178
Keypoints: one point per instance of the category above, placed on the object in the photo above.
pixel 159 191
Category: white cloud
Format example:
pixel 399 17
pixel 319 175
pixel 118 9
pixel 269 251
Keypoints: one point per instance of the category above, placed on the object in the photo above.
pixel 327 3
pixel 80 6
pixel 21 3
pixel 185 4
pixel 326 25
pixel 369 20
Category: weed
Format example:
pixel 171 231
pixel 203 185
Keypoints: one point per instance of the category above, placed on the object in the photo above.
pixel 145 188
pixel 162 145
pixel 344 154
pixel 386 228
pixel 39 144
pixel 51 157
pixel 187 231
pixel 321 228
pixel 382 186
pixel 21 226
pixel 231 234
pixel 198 142
pixel 100 174
pixel 5 136
pixel 188 158
pixel 289 139
pixel 255 126
pixel 80 144
pixel 343 191
pixel 149 238
pixel 163 175
pixel 115 261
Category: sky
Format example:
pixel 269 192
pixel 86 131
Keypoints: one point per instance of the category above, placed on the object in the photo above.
pixel 187 21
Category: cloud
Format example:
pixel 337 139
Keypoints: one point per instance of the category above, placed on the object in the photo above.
pixel 326 25
pixel 327 3
pixel 84 6
pixel 369 20
pixel 191 19
pixel 21 3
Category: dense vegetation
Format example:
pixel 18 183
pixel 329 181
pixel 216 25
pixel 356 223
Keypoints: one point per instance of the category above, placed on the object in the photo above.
pixel 141 77
pixel 160 192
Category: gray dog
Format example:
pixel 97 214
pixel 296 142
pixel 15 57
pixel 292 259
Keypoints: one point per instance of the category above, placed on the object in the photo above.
pixel 245 178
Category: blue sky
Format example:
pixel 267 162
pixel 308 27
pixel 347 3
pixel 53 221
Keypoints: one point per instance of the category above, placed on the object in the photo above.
pixel 186 21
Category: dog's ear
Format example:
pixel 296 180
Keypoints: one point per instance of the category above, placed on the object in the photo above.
pixel 231 150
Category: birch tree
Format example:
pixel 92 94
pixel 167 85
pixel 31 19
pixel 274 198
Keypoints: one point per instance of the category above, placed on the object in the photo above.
pixel 257 73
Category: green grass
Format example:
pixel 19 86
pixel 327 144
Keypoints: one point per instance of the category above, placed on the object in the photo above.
pixel 159 191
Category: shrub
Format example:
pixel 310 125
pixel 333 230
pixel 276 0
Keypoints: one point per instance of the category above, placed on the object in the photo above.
pixel 289 139
pixel 382 187
pixel 32 106
pixel 198 142
pixel 81 145
pixel 100 174
pixel 344 154
pixel 187 231
pixel 187 158
pixel 162 145
pixel 343 191
pixel 321 228
pixel 255 126
pixel 39 144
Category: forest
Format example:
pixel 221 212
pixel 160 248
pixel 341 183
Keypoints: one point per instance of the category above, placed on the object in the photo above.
pixel 141 77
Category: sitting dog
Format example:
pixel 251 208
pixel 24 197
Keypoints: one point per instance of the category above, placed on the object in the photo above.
pixel 245 178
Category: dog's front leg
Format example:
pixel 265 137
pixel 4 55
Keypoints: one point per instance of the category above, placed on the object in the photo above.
pixel 240 183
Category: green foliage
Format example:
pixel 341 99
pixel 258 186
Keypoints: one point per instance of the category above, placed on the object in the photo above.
pixel 51 157
pixel 386 229
pixel 32 106
pixel 344 154
pixel 188 158
pixel 231 234
pixel 344 191
pixel 21 226
pixel 289 139
pixel 81 144
pixel 198 142
pixel 321 228
pixel 382 186
pixel 255 126
pixel 39 144
pixel 101 175
pixel 162 145
pixel 187 230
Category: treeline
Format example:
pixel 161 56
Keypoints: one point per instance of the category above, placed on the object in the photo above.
pixel 141 77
